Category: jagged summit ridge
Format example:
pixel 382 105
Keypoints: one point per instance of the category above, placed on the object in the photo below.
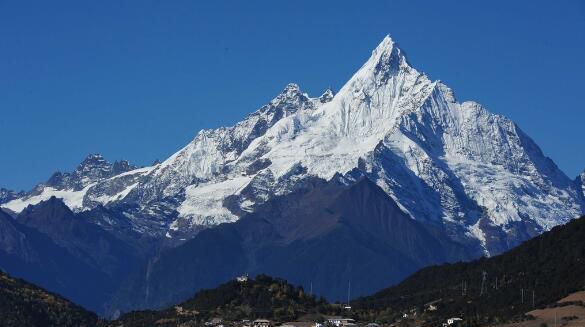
pixel 74 187
pixel 455 166
pixel 92 169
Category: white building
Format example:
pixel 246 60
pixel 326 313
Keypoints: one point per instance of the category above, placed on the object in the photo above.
pixel 261 323
pixel 242 279
pixel 340 321
pixel 452 321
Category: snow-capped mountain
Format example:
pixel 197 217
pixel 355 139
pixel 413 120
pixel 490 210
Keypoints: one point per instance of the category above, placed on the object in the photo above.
pixel 454 166
pixel 72 187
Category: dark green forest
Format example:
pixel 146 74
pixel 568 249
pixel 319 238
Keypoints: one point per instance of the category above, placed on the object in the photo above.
pixel 533 275
pixel 23 304
pixel 260 297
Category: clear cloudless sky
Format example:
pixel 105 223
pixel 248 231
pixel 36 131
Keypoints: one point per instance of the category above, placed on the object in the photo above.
pixel 136 80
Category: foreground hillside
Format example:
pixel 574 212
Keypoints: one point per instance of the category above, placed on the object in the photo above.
pixel 23 304
pixel 66 253
pixel 535 274
pixel 567 312
pixel 260 297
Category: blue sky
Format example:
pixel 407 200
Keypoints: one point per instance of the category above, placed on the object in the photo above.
pixel 136 80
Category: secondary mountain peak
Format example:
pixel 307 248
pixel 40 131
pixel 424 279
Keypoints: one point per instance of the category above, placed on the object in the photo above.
pixel 95 166
pixel 93 159
pixel 92 169
pixel 290 96
pixel 291 88
pixel 72 187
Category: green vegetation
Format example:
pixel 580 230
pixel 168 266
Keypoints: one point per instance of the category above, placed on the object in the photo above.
pixel 260 297
pixel 535 274
pixel 23 304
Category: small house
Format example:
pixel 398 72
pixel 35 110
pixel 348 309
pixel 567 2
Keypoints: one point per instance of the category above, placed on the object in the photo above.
pixel 242 279
pixel 453 321
pixel 300 324
pixel 214 322
pixel 261 323
pixel 340 321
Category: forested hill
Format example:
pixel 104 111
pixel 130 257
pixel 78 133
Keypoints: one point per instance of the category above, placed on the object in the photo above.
pixel 23 304
pixel 258 297
pixel 535 274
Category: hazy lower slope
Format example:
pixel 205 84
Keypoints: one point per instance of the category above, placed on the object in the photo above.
pixel 32 255
pixel 353 231
pixel 49 245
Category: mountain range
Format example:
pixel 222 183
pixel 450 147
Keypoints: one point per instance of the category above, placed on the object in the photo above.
pixel 386 176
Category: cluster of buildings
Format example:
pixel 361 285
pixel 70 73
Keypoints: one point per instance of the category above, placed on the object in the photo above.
pixel 330 321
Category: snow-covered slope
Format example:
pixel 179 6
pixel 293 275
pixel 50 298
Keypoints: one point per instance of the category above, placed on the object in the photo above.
pixel 81 189
pixel 455 166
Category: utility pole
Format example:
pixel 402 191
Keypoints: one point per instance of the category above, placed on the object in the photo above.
pixel 496 283
pixel 462 289
pixel 483 281
pixel 348 291
pixel 522 292
pixel 533 298
pixel 311 292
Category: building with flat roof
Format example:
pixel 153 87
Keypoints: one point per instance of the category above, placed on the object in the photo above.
pixel 261 323
pixel 339 321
